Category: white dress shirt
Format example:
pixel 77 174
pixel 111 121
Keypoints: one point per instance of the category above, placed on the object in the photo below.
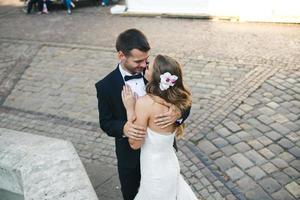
pixel 137 85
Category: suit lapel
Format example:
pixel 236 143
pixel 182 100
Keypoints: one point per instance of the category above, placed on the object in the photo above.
pixel 118 80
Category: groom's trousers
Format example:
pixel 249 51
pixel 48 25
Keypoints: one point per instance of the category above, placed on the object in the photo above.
pixel 130 181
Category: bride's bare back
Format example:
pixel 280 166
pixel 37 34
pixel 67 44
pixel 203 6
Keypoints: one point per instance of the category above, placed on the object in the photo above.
pixel 154 107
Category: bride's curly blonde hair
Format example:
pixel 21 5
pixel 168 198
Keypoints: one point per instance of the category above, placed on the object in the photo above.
pixel 179 94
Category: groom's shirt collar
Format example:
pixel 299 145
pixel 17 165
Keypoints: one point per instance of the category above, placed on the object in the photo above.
pixel 137 85
pixel 123 72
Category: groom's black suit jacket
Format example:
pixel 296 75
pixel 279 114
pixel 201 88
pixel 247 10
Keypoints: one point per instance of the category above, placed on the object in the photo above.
pixel 112 117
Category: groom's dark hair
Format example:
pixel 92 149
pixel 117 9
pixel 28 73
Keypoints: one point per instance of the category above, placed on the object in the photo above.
pixel 132 39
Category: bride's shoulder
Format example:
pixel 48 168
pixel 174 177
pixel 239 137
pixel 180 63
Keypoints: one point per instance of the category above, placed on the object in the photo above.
pixel 143 104
pixel 145 99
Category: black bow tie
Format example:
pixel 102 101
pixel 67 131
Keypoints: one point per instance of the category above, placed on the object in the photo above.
pixel 137 76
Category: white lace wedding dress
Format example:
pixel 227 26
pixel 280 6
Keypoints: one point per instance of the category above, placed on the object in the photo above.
pixel 160 171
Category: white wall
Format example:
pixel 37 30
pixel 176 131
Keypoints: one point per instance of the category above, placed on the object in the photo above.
pixel 246 10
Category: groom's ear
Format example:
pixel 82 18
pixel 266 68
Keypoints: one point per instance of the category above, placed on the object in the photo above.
pixel 121 56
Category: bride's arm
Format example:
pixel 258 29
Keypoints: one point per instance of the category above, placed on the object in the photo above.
pixel 142 117
pixel 136 115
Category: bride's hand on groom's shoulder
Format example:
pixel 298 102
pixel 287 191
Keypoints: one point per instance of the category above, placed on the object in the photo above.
pixel 128 98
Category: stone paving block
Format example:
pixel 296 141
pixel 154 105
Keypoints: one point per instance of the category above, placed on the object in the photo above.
pixel 280 129
pixel 217 195
pixel 281 177
pixel 245 126
pixel 224 163
pixel 224 192
pixel 270 184
pixel 246 108
pixel 267 87
pixel 204 193
pixel 220 142
pixel 211 189
pixel 188 174
pixel 207 147
pixel 295 151
pixel 223 132
pixel 287 97
pixel 255 144
pixel 256 173
pixel 242 147
pixel 263 128
pixel 273 135
pixel 296 164
pixel 232 126
pixel 233 139
pixel 198 174
pixel 210 198
pixel 282 195
pixel 216 155
pixel 291 125
pixel 240 160
pixel 228 150
pixel 273 105
pixel 294 189
pixel 211 177
pixel 280 118
pixel 193 180
pixel 278 92
pixel 193 169
pixel 254 122
pixel 292 116
pixel 266 111
pixel 287 156
pixel 244 136
pixel 188 163
pixel 239 112
pixel 266 153
pixel 285 143
pixel 230 197
pixel 275 148
pixel 246 184
pixel 264 140
pixel 198 186
pixel 255 133
pixel 265 119
pixel 251 101
pixel 257 193
pixel 204 182
pixel 277 99
pixel 282 111
pixel 269 168
pixel 255 157
pixel 234 173
pixel 294 174
pixel 211 136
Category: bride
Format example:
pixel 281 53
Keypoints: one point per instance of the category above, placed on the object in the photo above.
pixel 160 172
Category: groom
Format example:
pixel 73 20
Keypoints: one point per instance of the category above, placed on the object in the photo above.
pixel 133 52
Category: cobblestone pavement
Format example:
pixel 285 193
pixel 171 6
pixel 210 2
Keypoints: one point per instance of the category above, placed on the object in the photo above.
pixel 243 135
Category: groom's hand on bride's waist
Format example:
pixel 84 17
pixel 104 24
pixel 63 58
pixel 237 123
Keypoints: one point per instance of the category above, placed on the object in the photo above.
pixel 134 131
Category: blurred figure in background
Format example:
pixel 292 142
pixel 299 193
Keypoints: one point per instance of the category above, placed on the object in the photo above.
pixel 68 4
pixel 42 6
pixel 105 2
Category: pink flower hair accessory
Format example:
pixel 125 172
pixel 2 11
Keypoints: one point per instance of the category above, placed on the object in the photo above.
pixel 167 80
